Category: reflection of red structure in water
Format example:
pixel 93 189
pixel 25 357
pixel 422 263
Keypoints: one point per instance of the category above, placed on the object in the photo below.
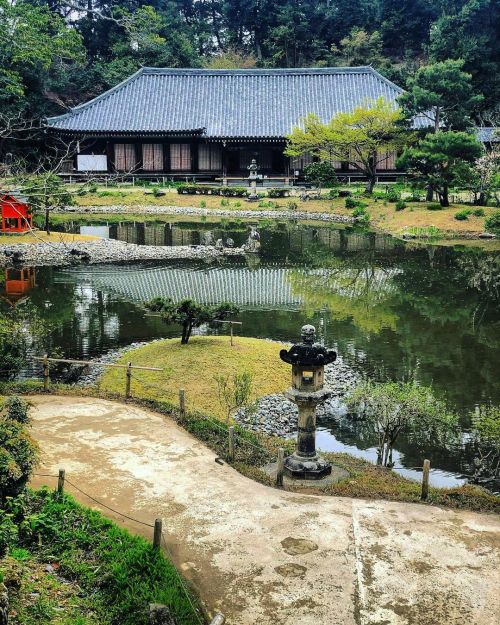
pixel 16 214
pixel 18 283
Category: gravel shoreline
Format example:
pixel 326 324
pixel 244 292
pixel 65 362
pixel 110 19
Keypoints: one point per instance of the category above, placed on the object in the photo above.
pixel 210 212
pixel 277 416
pixel 103 251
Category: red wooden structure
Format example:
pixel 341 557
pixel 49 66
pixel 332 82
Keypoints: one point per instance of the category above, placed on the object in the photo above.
pixel 16 214
pixel 18 284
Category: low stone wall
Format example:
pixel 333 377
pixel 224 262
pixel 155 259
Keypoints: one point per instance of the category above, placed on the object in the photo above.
pixel 103 251
pixel 212 212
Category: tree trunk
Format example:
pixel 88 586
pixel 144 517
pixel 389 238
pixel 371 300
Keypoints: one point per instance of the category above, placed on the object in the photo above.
pixel 443 197
pixel 371 172
pixel 437 119
pixel 47 220
pixel 429 193
pixel 186 333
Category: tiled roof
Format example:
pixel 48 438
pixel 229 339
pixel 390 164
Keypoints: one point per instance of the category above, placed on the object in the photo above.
pixel 224 103
pixel 488 134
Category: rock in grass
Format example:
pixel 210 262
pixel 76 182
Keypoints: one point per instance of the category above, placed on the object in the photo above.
pixel 160 615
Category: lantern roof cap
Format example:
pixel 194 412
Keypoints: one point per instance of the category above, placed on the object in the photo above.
pixel 308 353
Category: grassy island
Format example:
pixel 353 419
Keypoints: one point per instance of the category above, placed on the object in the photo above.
pixel 194 366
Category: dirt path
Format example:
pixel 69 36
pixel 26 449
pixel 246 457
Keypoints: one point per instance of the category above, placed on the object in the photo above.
pixel 267 557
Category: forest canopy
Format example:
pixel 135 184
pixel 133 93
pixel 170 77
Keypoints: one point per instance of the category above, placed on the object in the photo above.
pixel 57 53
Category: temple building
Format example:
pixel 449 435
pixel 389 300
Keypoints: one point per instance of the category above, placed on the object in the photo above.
pixel 203 124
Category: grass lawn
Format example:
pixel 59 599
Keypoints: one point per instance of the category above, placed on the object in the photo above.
pixel 41 237
pixel 384 216
pixel 194 366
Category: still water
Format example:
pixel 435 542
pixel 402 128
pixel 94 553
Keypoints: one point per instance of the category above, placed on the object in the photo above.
pixel 392 310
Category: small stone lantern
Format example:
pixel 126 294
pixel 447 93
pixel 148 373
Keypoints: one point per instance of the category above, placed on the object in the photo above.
pixel 308 360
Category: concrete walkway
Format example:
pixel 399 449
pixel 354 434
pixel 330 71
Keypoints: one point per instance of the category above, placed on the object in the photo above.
pixel 266 557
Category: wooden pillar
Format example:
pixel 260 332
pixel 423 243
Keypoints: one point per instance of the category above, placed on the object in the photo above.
pixel 157 534
pixel 46 378
pixel 425 479
pixel 128 381
pixel 280 468
pixel 60 482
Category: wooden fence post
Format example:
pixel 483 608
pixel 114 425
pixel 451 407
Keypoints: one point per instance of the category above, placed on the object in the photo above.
pixel 425 479
pixel 60 482
pixel 280 467
pixel 157 534
pixel 46 379
pixel 128 381
pixel 182 403
pixel 231 443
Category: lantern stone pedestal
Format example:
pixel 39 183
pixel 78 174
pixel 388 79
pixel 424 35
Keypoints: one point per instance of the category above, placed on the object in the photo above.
pixel 305 462
pixel 308 360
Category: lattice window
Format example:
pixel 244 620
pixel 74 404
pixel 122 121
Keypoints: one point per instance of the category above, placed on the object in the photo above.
pixel 125 157
pixel 209 157
pixel 180 157
pixel 152 157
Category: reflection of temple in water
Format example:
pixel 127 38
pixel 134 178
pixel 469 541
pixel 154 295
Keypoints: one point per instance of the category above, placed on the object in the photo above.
pixel 264 286
pixel 340 240
pixel 295 238
pixel 18 284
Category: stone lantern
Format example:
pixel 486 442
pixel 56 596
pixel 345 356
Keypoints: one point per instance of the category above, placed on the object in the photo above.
pixel 308 360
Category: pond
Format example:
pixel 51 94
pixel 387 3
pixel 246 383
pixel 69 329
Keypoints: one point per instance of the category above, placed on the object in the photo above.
pixel 392 310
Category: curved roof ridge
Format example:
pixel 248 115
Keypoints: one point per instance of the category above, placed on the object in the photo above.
pixel 256 71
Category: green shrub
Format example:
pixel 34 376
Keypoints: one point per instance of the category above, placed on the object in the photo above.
pixel 277 193
pixel 492 223
pixel 350 202
pixel 333 194
pixel 292 205
pixel 358 211
pixel 9 532
pixel 224 202
pixel 462 215
pixel 19 452
pixel 321 174
pixel 478 212
pixel 393 195
pixel 17 409
pixel 400 205
pixel 434 206
pixel 233 191
pixel 203 204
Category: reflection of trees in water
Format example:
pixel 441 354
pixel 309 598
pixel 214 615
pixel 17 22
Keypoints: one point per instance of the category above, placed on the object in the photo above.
pixel 413 317
pixel 355 288
pixel 482 273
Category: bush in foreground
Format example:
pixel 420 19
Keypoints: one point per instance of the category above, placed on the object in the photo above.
pixel 492 223
pixel 118 573
pixel 18 450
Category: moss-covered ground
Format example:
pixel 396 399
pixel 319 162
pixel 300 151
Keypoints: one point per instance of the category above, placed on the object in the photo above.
pixel 193 367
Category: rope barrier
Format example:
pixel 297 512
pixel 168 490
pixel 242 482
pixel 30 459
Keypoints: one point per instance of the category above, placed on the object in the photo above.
pixel 129 518
pixel 205 417
pixel 181 581
pixel 150 525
